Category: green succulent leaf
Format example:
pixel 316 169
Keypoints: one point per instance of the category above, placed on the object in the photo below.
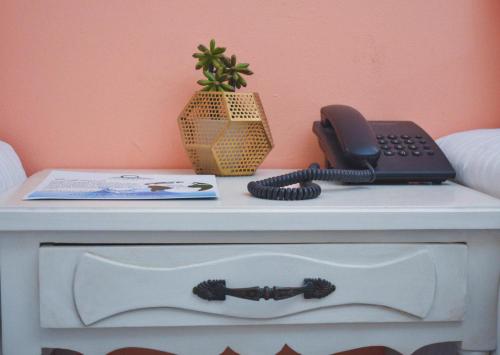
pixel 225 61
pixel 209 75
pixel 245 71
pixel 204 82
pixel 235 70
pixel 222 73
pixel 215 81
pixel 227 87
pixel 200 64
pixel 218 64
pixel 219 50
pixel 208 59
pixel 242 81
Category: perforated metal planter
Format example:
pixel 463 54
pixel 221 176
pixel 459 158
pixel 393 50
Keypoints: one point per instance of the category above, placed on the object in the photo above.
pixel 225 133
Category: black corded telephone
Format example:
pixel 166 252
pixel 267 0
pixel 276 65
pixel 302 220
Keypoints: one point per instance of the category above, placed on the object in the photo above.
pixel 360 151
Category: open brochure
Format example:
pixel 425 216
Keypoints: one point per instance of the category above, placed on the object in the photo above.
pixel 72 185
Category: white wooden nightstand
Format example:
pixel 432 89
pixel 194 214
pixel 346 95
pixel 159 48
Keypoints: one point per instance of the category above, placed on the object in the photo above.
pixel 408 265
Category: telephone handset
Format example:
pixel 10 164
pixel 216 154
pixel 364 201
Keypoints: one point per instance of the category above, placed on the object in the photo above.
pixel 344 128
pixel 360 151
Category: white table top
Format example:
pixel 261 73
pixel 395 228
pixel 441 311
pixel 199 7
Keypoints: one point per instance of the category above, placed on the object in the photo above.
pixel 340 207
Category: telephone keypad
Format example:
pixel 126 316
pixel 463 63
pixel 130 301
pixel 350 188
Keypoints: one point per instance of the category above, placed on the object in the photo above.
pixel 417 145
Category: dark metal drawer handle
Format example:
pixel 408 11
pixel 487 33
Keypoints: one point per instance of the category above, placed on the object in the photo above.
pixel 216 290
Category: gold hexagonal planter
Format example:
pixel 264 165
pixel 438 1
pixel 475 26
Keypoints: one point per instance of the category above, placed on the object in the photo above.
pixel 225 133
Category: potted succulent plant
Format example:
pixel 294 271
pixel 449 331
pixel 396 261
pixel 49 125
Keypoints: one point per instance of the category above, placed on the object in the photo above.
pixel 224 132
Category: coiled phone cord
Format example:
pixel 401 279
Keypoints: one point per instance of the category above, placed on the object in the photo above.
pixel 274 188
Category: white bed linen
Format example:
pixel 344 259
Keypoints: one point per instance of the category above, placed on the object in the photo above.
pixel 11 169
pixel 475 156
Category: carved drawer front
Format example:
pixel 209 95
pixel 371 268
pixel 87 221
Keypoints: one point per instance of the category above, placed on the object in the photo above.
pixel 163 285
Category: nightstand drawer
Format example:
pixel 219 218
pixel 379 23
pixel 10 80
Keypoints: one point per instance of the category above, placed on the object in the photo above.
pixel 122 286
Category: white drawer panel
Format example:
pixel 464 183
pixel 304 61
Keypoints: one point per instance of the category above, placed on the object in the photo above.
pixel 109 286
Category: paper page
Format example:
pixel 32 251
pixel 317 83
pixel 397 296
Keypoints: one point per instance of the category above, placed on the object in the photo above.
pixel 72 185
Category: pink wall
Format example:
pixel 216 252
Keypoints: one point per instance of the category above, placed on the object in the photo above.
pixel 100 83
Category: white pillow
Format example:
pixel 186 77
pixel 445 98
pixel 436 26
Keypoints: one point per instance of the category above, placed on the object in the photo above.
pixel 475 156
pixel 11 169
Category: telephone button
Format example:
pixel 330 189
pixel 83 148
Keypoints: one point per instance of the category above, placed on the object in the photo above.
pixel 405 136
pixel 423 141
pixel 412 147
pixel 409 141
pixel 399 147
pixel 391 136
pixel 430 152
pixel 426 147
pixel 416 153
pixel 395 141
pixel 403 153
pixel 388 153
pixel 382 141
pixel 379 136
pixel 385 147
pixel 418 136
